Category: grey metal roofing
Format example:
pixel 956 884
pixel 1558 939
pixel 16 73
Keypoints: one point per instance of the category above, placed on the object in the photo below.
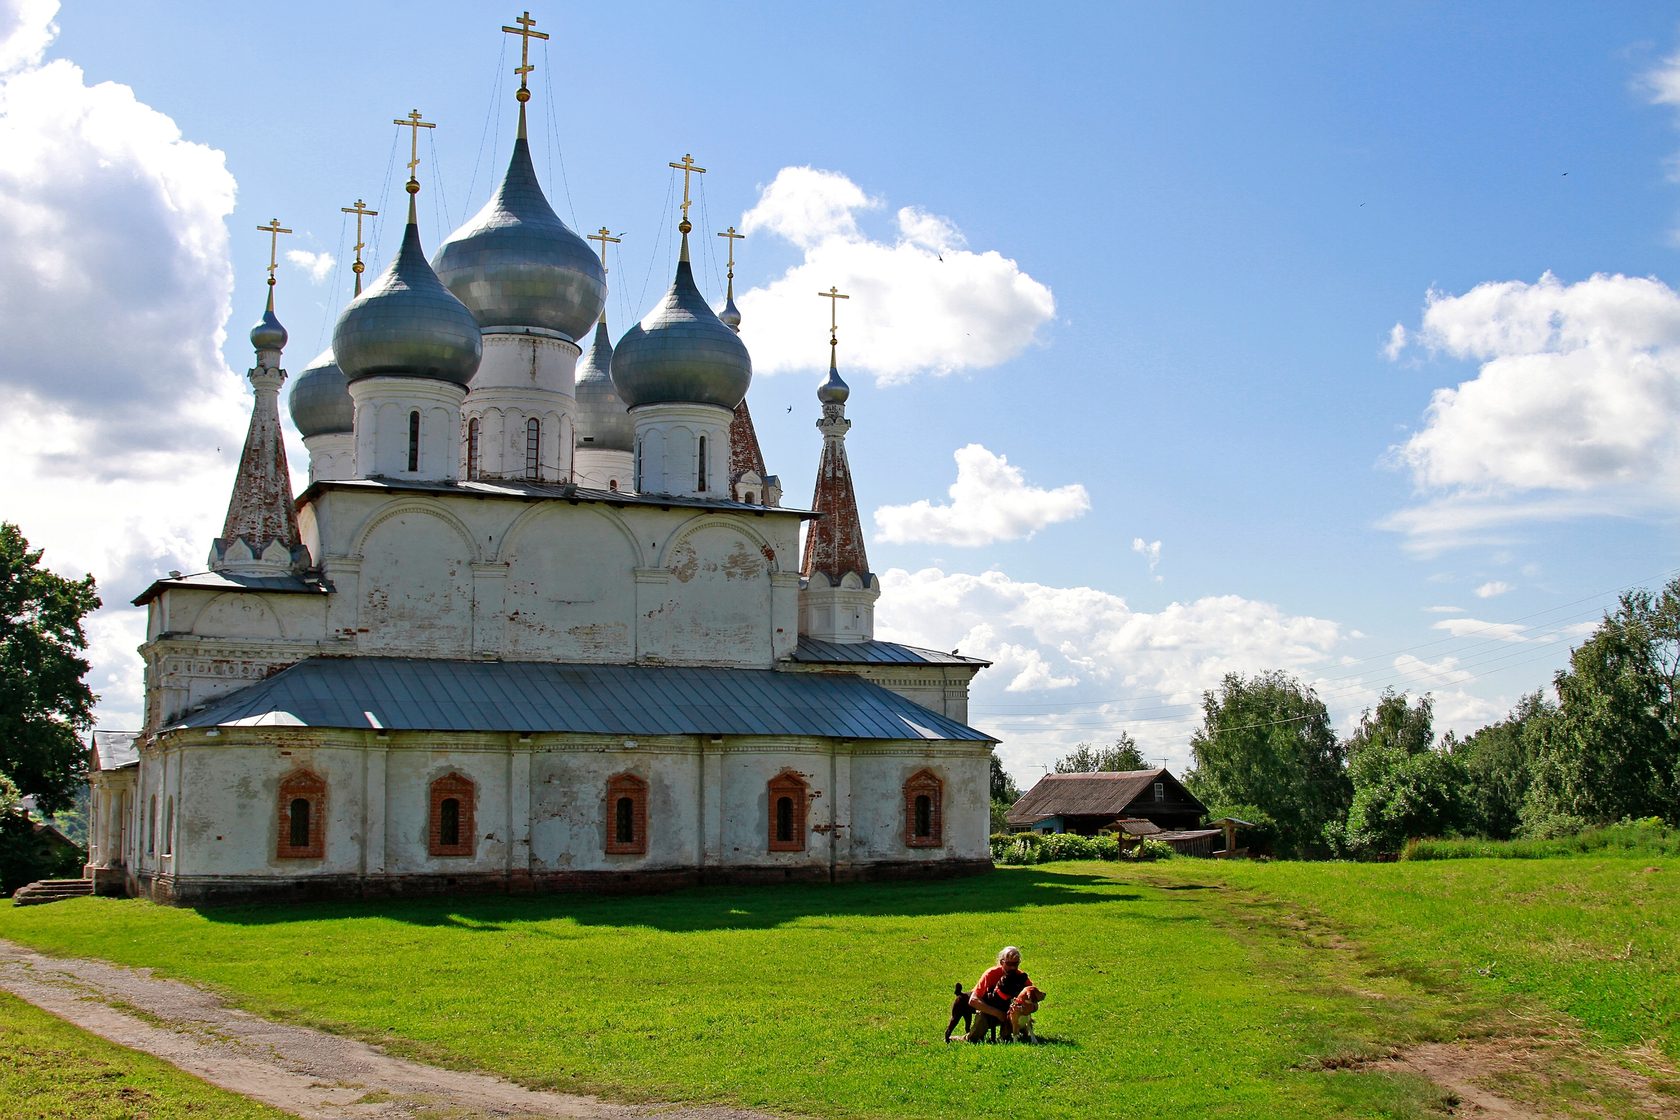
pixel 1085 795
pixel 232 581
pixel 415 694
pixel 113 750
pixel 520 489
pixel 812 651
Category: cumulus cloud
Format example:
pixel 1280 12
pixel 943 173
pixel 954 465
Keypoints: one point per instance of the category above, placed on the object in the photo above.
pixel 1109 666
pixel 922 302
pixel 990 502
pixel 316 266
pixel 118 418
pixel 1492 588
pixel 1475 628
pixel 1574 410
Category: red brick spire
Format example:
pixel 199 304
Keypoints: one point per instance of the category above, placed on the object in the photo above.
pixel 834 542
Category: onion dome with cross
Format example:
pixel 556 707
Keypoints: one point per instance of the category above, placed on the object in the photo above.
pixel 516 265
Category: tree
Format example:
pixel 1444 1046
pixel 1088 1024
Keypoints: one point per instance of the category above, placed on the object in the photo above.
pixel 1402 786
pixel 1267 741
pixel 1004 794
pixel 1613 749
pixel 45 706
pixel 1496 762
pixel 1123 755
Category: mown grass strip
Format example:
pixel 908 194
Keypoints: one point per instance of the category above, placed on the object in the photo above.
pixel 50 1069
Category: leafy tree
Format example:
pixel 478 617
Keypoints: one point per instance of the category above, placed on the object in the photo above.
pixel 1497 762
pixel 1267 741
pixel 45 707
pixel 1122 755
pixel 1402 786
pixel 1613 749
pixel 1004 794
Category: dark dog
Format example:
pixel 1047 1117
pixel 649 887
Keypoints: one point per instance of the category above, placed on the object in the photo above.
pixel 959 1010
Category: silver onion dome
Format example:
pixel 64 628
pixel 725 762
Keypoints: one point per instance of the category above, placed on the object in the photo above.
pixel 516 264
pixel 407 324
pixel 603 422
pixel 730 316
pixel 833 390
pixel 681 352
pixel 268 334
pixel 320 399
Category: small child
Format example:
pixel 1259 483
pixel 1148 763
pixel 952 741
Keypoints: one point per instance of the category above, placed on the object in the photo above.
pixel 959 1010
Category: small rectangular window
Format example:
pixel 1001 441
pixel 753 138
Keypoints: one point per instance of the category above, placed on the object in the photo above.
pixel 533 449
pixel 414 441
pixel 1160 791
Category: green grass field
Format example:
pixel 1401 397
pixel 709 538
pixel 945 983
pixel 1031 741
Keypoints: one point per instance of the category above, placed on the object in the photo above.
pixel 1189 988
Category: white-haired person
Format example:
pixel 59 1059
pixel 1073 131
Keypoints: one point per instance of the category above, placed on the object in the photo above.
pixel 994 994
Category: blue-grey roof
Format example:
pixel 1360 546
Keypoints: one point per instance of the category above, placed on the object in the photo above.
pixel 113 750
pixel 516 488
pixel 233 581
pixel 812 651
pixel 413 694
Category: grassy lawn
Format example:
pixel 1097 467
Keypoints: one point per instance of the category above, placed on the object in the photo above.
pixel 50 1069
pixel 1181 989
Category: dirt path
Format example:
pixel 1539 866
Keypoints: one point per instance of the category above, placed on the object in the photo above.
pixel 307 1072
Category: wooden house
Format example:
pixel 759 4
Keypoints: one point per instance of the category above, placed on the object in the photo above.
pixel 1088 803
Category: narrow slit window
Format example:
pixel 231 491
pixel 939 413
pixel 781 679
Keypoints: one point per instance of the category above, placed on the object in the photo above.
pixel 533 448
pixel 626 815
pixel 624 821
pixel 452 829
pixel 472 447
pixel 169 827
pixel 784 819
pixel 702 478
pixel 298 836
pixel 788 796
pixel 924 810
pixel 414 441
pixel 924 816
pixel 638 479
pixel 302 816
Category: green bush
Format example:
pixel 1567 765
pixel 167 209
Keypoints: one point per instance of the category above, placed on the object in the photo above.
pixel 1020 848
pixel 1151 849
pixel 1646 837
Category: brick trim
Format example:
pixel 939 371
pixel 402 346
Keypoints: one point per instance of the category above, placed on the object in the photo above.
pixel 310 787
pixel 631 787
pixel 465 794
pixel 791 786
pixel 924 783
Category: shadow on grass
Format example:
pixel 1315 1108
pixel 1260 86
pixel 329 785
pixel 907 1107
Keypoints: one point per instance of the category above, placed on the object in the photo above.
pixel 710 908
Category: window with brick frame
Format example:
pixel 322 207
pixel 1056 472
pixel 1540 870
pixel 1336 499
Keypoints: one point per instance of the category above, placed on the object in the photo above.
pixel 789 798
pixel 627 822
pixel 924 810
pixel 302 804
pixel 450 828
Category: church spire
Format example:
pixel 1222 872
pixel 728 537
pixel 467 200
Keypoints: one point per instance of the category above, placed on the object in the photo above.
pixel 834 542
pixel 260 533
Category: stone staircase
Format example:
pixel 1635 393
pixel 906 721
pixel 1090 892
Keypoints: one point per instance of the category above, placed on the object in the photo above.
pixel 52 890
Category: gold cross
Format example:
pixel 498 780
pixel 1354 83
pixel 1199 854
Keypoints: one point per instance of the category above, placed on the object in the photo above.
pixel 413 121
pixel 687 167
pixel 274 230
pixel 525 34
pixel 833 295
pixel 604 237
pixel 733 237
pixel 361 211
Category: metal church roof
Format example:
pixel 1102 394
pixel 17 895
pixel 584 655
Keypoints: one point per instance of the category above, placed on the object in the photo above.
pixel 412 694
pixel 812 651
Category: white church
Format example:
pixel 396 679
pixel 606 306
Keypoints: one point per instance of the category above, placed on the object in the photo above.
pixel 540 620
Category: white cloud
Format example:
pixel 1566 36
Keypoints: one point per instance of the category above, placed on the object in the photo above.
pixel 921 303
pixel 1492 588
pixel 1150 551
pixel 1396 342
pixel 317 266
pixel 1574 410
pixel 1443 610
pixel 1098 664
pixel 117 436
pixel 990 502
pixel 1475 628
pixel 1431 675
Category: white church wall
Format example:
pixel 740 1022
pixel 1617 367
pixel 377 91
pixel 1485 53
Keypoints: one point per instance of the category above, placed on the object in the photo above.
pixel 569 812
pixel 743 792
pixel 601 469
pixel 416 583
pixel 410 769
pixel 569 601
pixel 716 605
pixel 878 809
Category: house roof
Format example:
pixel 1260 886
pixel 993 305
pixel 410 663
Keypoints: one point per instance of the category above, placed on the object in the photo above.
pixel 1105 794
pixel 413 694
pixel 812 651
pixel 114 750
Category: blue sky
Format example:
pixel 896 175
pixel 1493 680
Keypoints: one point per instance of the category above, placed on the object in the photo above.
pixel 1136 273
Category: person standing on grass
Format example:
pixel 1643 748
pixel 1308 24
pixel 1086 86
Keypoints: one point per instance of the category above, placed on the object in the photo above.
pixel 992 996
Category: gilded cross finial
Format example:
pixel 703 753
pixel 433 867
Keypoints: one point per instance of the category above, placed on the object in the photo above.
pixel 274 229
pixel 687 167
pixel 361 211
pixel 525 34
pixel 605 237
pixel 833 295
pixel 413 121
pixel 733 237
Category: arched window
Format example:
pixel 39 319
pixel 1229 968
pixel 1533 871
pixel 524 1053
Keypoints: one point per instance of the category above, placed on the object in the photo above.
pixel 702 479
pixel 924 796
pixel 414 441
pixel 626 815
pixel 451 830
pixel 169 827
pixel 749 497
pixel 472 447
pixel 302 832
pixel 638 479
pixel 151 825
pixel 612 484
pixel 533 448
pixel 789 798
